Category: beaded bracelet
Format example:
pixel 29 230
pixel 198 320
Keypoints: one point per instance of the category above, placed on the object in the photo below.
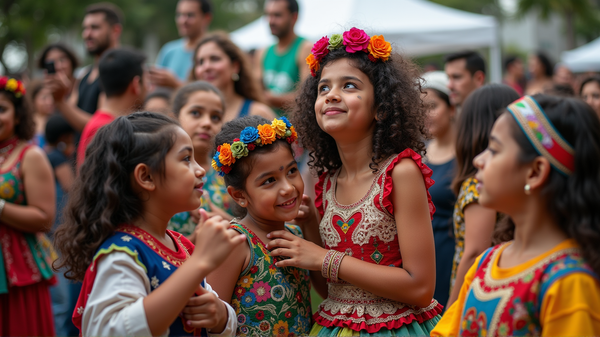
pixel 325 267
pixel 335 266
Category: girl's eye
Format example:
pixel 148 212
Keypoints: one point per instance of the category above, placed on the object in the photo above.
pixel 293 170
pixel 268 181
pixel 195 113
pixel 350 86
pixel 215 118
pixel 492 151
pixel 323 89
pixel 187 159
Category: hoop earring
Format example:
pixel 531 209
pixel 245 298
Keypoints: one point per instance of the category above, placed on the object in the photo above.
pixel 235 77
pixel 527 189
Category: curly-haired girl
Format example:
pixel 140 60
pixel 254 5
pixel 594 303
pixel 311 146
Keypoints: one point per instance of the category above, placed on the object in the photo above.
pixel 361 116
pixel 138 276
pixel 540 170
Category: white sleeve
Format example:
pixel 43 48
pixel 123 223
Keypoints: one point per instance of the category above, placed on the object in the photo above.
pixel 231 326
pixel 115 306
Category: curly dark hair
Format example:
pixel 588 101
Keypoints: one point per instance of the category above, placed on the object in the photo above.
pixel 236 178
pixel 102 197
pixel 571 200
pixel 401 114
pixel 24 123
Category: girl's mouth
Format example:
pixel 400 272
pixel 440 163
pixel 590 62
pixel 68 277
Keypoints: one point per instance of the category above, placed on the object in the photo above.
pixel 289 204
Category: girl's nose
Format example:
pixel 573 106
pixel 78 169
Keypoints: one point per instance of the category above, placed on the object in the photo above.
pixel 478 161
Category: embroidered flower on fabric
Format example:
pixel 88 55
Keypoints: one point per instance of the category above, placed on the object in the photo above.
pixel 262 290
pixel 281 329
pixel 126 238
pixel 278 293
pixel 246 281
pixel 166 265
pixel 248 299
pixel 80 310
pixel 264 326
pixel 154 282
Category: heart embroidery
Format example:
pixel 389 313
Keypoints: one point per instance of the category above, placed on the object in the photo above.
pixel 346 224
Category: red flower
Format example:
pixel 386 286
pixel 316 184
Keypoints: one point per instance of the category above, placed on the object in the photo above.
pixel 236 140
pixel 288 314
pixel 253 270
pixel 319 49
pixel 3 81
pixel 299 297
pixel 260 315
pixel 226 169
pixel 251 146
pixel 356 40
pixel 219 148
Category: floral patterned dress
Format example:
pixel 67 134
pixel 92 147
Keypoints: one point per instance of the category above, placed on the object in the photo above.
pixel 271 300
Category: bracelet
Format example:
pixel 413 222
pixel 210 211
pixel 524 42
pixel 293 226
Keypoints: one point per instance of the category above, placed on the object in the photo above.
pixel 2 203
pixel 325 266
pixel 335 266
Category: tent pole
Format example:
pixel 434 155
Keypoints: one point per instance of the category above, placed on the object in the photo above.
pixel 496 59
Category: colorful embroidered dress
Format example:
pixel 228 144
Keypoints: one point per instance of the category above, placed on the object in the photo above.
pixel 271 300
pixel 156 259
pixel 468 194
pixel 217 192
pixel 367 230
pixel 556 293
pixel 25 268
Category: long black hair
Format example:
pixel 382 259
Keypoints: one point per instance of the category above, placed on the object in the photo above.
pixel 103 197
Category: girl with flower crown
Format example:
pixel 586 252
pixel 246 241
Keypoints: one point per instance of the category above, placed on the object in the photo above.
pixel 27 209
pixel 256 159
pixel 361 116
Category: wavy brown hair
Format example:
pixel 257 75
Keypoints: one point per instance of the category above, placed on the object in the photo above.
pixel 102 197
pixel 246 86
pixel 400 122
pixel 24 123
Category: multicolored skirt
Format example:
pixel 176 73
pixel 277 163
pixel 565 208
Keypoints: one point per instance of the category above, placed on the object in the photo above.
pixel 411 329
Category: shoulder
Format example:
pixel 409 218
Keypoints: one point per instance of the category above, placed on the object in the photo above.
pixel 468 192
pixel 172 45
pixel 303 50
pixel 261 109
pixel 33 156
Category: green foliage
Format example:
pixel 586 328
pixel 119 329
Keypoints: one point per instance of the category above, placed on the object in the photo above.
pixel 487 7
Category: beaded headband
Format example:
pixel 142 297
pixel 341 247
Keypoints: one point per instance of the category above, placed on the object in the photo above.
pixel 543 135
pixel 355 40
pixel 250 138
pixel 11 84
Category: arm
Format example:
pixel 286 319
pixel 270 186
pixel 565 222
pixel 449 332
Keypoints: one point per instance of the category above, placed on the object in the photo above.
pixel 225 277
pixel 59 84
pixel 207 310
pixel 479 226
pixel 414 283
pixel 64 175
pixel 38 182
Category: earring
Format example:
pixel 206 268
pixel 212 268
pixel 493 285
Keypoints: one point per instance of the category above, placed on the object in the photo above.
pixel 242 203
pixel 527 189
pixel 235 77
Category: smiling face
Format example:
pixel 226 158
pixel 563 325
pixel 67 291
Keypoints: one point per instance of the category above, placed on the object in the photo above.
pixel 181 188
pixel 274 187
pixel 344 105
pixel 501 177
pixel 214 66
pixel 202 118
pixel 7 117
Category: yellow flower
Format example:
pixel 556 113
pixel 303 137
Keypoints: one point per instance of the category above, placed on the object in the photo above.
pixel 246 281
pixel 12 85
pixel 225 156
pixel 214 165
pixel 379 48
pixel 6 191
pixel 281 329
pixel 279 126
pixel 266 133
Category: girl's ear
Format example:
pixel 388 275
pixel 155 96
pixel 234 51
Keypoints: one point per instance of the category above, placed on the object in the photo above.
pixel 238 196
pixel 538 173
pixel 143 178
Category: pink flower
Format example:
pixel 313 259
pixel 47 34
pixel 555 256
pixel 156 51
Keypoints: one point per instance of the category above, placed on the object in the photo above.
pixel 261 290
pixel 319 50
pixel 356 40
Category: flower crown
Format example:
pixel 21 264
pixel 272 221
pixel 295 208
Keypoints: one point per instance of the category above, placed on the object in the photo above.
pixel 250 138
pixel 355 40
pixel 11 84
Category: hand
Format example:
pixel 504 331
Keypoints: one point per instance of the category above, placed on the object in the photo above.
pixel 59 84
pixel 214 241
pixel 206 311
pixel 307 214
pixel 302 254
pixel 163 78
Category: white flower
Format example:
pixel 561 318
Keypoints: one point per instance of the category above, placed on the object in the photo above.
pixel 154 282
pixel 126 238
pixel 80 310
pixel 166 265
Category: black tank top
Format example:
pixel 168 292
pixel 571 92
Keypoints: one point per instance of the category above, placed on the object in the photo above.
pixel 89 94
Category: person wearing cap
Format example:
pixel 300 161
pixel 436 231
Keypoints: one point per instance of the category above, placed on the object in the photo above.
pixel 441 158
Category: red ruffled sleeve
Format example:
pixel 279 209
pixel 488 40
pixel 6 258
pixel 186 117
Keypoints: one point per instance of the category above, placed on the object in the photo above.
pixel 389 184
pixel 319 194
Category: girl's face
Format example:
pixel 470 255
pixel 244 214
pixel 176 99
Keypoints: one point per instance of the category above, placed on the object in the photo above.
pixel 344 106
pixel 535 67
pixel 441 116
pixel 214 66
pixel 501 177
pixel 181 188
pixel 591 95
pixel 274 187
pixel 62 63
pixel 44 102
pixel 7 117
pixel 202 118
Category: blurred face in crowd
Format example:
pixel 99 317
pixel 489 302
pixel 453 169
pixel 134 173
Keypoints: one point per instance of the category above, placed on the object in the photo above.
pixel 98 34
pixel 158 104
pixel 7 117
pixel 563 75
pixel 517 69
pixel 201 118
pixel 62 63
pixel 535 67
pixel 44 102
pixel 460 81
pixel 281 20
pixel 440 117
pixel 214 66
pixel 591 95
pixel 189 19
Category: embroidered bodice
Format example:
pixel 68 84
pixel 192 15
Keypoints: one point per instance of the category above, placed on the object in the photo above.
pixel 366 230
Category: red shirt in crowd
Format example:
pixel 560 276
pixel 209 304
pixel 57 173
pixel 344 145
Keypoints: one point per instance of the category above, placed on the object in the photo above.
pixel 98 120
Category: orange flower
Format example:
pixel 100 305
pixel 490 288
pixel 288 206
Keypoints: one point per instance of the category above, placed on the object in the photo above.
pixel 379 48
pixel 313 64
pixel 266 133
pixel 225 156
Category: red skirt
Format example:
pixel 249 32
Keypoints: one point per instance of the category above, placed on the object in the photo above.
pixel 27 311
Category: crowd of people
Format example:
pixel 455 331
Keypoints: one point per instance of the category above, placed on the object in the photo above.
pixel 330 189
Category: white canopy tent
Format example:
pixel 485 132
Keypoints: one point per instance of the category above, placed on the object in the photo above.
pixel 584 58
pixel 415 27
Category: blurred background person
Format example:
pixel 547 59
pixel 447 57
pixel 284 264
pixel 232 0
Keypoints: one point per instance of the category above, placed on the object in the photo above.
pixel 221 63
pixel 466 72
pixel 540 71
pixel 514 74
pixel 590 92
pixel 441 158
pixel 60 57
pixel 159 101
pixel 42 103
pixel 174 60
